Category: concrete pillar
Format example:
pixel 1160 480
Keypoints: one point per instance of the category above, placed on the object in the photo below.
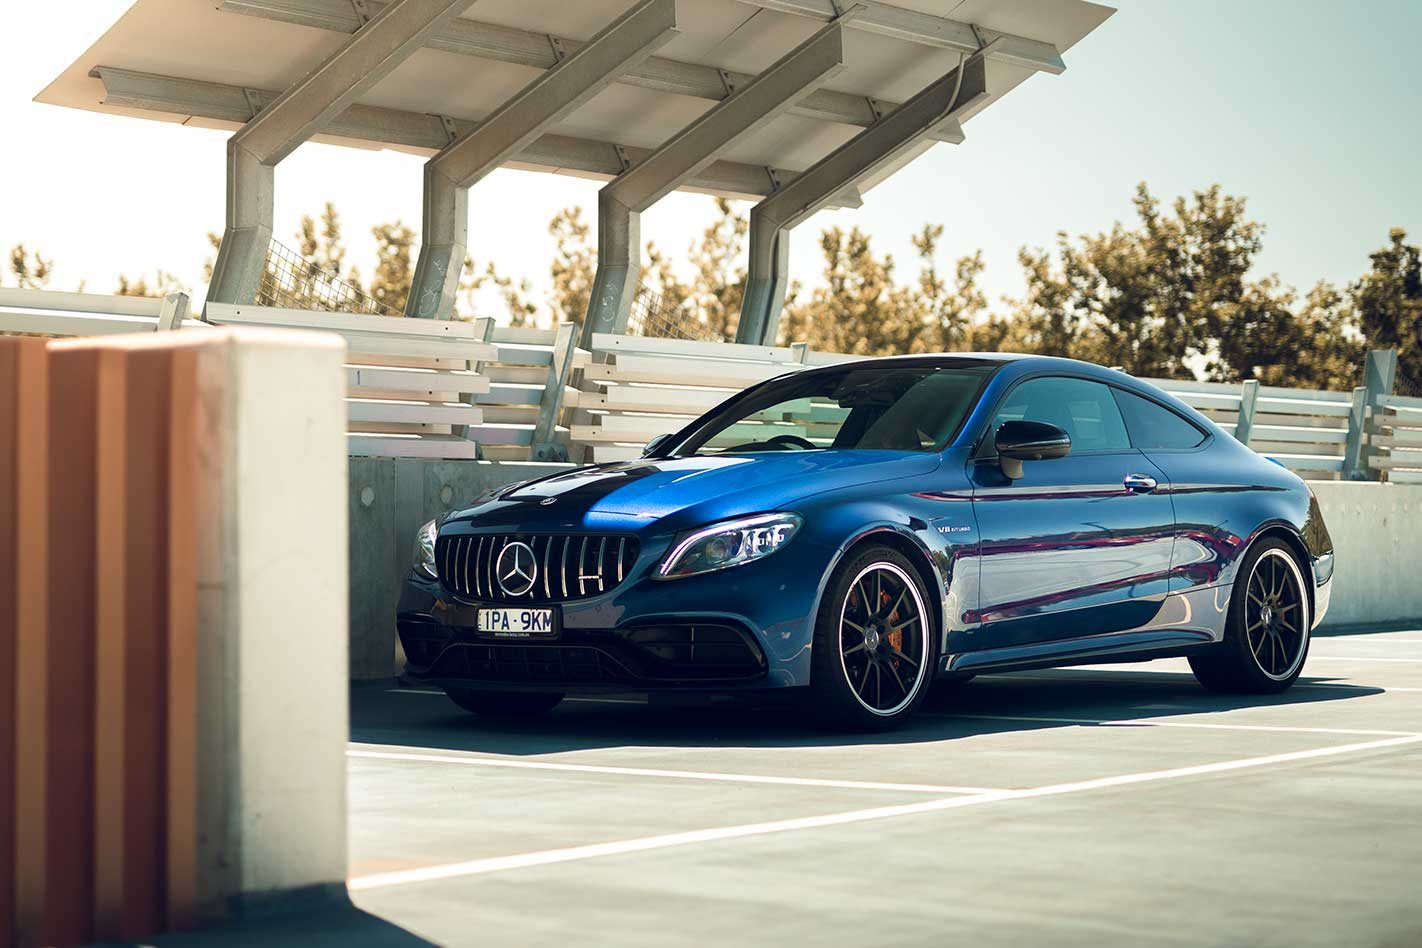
pixel 272 617
pixel 767 281
pixel 251 187
pixel 444 242
pixel 619 268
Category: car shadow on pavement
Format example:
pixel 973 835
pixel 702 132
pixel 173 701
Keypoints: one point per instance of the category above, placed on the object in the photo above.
pixel 384 714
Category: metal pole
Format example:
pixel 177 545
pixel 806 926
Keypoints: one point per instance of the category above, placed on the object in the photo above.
pixel 1244 426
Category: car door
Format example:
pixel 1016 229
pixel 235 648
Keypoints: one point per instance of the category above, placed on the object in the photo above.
pixel 1078 545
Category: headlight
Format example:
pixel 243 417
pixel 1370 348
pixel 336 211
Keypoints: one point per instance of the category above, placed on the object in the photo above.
pixel 425 549
pixel 727 544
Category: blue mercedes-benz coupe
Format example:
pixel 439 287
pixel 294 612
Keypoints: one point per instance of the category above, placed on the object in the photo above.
pixel 856 531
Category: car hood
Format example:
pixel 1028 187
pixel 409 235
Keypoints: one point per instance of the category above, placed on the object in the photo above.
pixel 699 489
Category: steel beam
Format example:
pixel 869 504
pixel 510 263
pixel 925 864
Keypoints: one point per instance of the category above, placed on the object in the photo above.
pixel 518 47
pixel 427 133
pixel 925 29
pixel 509 130
pixel 774 91
pixel 846 166
pixel 295 115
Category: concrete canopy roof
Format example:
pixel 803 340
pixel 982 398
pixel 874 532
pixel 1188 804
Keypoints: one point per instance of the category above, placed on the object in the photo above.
pixel 249 50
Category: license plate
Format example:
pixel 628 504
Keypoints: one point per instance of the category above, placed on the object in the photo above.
pixel 517 623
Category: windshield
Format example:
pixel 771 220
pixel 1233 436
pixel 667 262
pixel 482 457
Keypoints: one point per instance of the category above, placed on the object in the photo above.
pixel 904 407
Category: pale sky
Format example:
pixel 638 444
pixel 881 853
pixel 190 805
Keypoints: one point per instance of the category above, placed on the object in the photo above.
pixel 1310 113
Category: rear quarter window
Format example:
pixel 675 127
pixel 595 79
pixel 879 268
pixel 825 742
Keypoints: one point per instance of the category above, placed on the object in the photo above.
pixel 1155 426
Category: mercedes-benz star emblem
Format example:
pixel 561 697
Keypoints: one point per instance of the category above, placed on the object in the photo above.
pixel 517 568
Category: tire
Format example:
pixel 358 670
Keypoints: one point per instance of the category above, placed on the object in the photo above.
pixel 504 704
pixel 871 666
pixel 1267 631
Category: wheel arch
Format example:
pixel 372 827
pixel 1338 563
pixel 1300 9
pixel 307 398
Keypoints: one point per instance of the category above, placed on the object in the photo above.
pixel 911 547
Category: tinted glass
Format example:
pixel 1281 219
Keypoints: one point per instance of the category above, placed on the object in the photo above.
pixel 1153 426
pixel 1085 410
pixel 888 408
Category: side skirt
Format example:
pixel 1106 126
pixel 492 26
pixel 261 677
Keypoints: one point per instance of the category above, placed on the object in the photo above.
pixel 1099 649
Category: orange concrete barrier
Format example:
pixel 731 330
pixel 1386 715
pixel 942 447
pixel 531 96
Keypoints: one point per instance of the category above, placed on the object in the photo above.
pixel 98 646
pixel 119 472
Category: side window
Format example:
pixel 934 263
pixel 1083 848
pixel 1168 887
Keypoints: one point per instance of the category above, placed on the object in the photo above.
pixel 1083 409
pixel 1154 426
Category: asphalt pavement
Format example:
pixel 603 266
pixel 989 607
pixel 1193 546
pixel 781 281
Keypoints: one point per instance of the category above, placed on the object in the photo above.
pixel 1102 806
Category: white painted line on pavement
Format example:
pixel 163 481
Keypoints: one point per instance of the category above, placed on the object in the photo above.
pixel 476 867
pixel 1357 658
pixel 361 751
pixel 1154 722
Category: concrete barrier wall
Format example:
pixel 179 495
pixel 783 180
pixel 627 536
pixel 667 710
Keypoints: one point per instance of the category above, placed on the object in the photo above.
pixel 171 519
pixel 1377 536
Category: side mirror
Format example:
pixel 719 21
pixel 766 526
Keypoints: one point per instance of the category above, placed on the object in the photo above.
pixel 654 444
pixel 1018 441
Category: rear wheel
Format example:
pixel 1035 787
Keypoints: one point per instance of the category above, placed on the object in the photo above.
pixel 504 704
pixel 1267 634
pixel 874 650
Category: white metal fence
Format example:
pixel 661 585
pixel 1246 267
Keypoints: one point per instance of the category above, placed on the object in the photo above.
pixel 451 389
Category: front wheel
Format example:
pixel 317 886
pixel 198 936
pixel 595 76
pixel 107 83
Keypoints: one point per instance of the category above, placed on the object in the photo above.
pixel 874 649
pixel 504 704
pixel 1267 633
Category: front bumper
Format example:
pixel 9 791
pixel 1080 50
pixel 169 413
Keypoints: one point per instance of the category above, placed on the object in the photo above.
pixel 747 628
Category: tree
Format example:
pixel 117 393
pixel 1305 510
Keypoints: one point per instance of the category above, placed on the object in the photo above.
pixel 573 267
pixel 214 240
pixel 1149 299
pixel 394 273
pixel 860 309
pixel 1388 299
pixel 30 270
pixel 1329 349
pixel 164 283
pixel 952 313
pixel 322 248
pixel 719 262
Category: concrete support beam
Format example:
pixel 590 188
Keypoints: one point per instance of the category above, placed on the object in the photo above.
pixel 495 43
pixel 849 164
pixel 686 154
pixel 925 29
pixel 767 280
pixel 251 192
pixel 514 126
pixel 619 265
pixel 426 133
pixel 294 116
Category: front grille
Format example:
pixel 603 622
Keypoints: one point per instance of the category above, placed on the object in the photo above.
pixel 564 567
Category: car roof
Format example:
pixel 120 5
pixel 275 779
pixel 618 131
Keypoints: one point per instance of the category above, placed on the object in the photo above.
pixel 965 359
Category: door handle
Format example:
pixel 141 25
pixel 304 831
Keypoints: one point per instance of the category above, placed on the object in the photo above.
pixel 1140 483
